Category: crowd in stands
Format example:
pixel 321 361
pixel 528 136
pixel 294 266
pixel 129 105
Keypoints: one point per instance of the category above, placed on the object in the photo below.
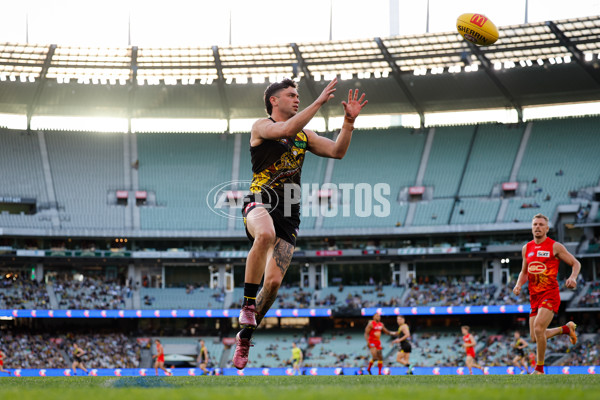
pixel 451 294
pixel 47 350
pixel 90 293
pixel 592 297
pixel 19 293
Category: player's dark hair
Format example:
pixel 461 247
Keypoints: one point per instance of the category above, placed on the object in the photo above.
pixel 274 88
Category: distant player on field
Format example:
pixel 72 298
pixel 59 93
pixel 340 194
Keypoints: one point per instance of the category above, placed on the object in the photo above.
pixel 296 359
pixel 203 357
pixel 541 258
pixel 372 336
pixel 519 346
pixel 403 355
pixel 469 344
pixel 78 352
pixel 160 358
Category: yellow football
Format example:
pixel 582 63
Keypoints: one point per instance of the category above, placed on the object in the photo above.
pixel 477 28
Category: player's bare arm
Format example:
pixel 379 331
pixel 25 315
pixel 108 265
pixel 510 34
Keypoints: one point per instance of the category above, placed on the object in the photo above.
pixel 368 330
pixel 388 332
pixel 563 254
pixel 337 149
pixel 266 129
pixel 405 334
pixel 522 275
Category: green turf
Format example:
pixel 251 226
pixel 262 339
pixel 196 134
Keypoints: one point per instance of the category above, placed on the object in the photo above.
pixel 580 387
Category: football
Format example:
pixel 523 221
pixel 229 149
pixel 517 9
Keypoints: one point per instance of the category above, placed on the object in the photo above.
pixel 477 28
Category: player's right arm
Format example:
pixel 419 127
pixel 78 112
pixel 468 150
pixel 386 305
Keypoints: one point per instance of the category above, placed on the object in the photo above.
pixel 523 274
pixel 266 129
pixel 368 330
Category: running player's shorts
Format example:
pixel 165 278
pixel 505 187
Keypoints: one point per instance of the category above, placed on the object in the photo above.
pixel 286 228
pixel 405 346
pixel 549 300
pixel 1 363
pixel 375 345
pixel 161 358
pixel 520 352
pixel 471 352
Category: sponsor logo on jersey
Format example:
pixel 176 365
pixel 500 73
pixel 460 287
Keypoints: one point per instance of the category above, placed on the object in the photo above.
pixel 530 254
pixel 536 267
pixel 541 253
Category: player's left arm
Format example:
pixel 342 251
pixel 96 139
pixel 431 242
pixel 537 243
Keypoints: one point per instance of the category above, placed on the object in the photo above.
pixel 473 342
pixel 563 254
pixel 324 147
pixel 405 332
pixel 523 343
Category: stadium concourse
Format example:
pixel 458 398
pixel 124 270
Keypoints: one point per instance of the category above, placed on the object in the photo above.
pixel 110 240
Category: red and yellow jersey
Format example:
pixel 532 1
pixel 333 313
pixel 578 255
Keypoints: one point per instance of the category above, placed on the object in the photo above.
pixel 375 332
pixel 542 266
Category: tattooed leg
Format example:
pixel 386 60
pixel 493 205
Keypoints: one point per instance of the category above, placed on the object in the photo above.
pixel 277 265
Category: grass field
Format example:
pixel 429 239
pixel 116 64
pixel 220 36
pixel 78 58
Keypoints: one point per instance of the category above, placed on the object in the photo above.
pixel 579 387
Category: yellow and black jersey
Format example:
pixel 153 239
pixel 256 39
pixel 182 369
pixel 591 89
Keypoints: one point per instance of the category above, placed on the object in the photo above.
pixel 278 162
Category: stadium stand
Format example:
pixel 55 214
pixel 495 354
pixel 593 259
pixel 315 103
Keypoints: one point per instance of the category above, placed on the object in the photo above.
pixel 433 212
pixel 591 298
pixel 491 158
pixel 182 169
pixel 397 153
pixel 23 294
pixel 22 176
pixel 181 298
pixel 85 166
pixel 90 294
pixel 111 350
pixel 447 159
pixel 475 211
pixel 554 160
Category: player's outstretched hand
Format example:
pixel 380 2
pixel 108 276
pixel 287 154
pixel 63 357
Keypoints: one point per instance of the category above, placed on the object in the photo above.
pixel 354 105
pixel 327 93
pixel 517 290
pixel 571 283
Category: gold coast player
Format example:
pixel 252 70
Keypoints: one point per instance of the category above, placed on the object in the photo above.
pixel 403 355
pixel 469 344
pixel 541 258
pixel 373 338
pixel 2 357
pixel 271 211
pixel 160 358
pixel 520 359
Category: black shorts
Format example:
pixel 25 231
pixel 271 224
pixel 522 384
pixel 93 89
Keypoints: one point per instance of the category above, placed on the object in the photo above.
pixel 520 353
pixel 405 346
pixel 77 359
pixel 286 227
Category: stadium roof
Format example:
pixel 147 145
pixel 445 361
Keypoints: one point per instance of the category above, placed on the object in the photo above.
pixel 534 64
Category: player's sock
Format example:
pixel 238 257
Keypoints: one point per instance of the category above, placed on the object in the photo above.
pixel 250 290
pixel 379 365
pixel 370 365
pixel 539 368
pixel 565 330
